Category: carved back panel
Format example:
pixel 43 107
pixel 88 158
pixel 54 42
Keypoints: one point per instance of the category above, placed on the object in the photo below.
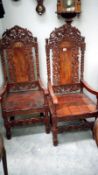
pixel 19 55
pixel 65 55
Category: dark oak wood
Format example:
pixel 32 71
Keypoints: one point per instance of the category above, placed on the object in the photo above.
pixel 23 92
pixel 65 64
pixel 3 156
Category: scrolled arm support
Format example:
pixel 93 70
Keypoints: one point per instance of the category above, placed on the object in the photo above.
pixel 53 96
pixel 3 90
pixel 87 87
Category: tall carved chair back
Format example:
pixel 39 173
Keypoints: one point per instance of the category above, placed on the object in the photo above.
pixel 19 56
pixel 67 101
pixel 65 57
pixel 23 92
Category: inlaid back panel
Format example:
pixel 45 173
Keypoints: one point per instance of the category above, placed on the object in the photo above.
pixel 67 59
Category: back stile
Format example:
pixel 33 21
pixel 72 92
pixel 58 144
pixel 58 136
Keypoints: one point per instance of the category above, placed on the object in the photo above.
pixel 48 60
pixel 37 57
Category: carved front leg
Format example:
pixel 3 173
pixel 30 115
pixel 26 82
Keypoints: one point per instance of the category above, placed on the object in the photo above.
pixel 47 122
pixel 96 131
pixel 7 127
pixel 54 131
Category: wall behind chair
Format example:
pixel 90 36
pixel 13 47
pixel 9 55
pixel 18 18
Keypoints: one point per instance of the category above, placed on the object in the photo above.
pixel 23 13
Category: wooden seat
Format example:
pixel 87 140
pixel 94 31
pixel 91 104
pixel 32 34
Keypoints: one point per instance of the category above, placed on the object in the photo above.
pixel 23 92
pixel 74 104
pixel 67 101
pixel 24 100
pixel 3 156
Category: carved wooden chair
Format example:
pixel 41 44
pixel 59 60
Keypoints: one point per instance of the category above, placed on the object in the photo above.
pixel 23 92
pixel 3 156
pixel 67 101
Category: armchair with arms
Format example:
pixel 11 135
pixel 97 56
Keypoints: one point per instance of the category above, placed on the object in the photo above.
pixel 23 92
pixel 67 101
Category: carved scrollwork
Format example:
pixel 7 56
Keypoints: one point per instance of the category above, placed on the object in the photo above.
pixel 21 58
pixel 17 34
pixel 23 87
pixel 66 88
pixel 66 33
pixel 75 64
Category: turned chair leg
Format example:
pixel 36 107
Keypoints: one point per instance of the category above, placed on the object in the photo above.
pixel 7 127
pixel 47 123
pixel 95 131
pixel 8 133
pixel 54 131
pixel 4 161
pixel 55 137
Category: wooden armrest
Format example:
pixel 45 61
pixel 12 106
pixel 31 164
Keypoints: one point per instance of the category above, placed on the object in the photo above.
pixel 54 98
pixel 42 87
pixel 86 86
pixel 3 90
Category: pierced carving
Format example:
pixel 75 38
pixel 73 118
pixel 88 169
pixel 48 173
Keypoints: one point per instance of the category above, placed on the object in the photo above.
pixel 64 89
pixel 75 45
pixel 17 34
pixel 23 86
pixel 66 32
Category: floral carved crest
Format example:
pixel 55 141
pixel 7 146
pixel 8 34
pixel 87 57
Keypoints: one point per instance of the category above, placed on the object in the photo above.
pixel 17 34
pixel 66 32
pixel 19 55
